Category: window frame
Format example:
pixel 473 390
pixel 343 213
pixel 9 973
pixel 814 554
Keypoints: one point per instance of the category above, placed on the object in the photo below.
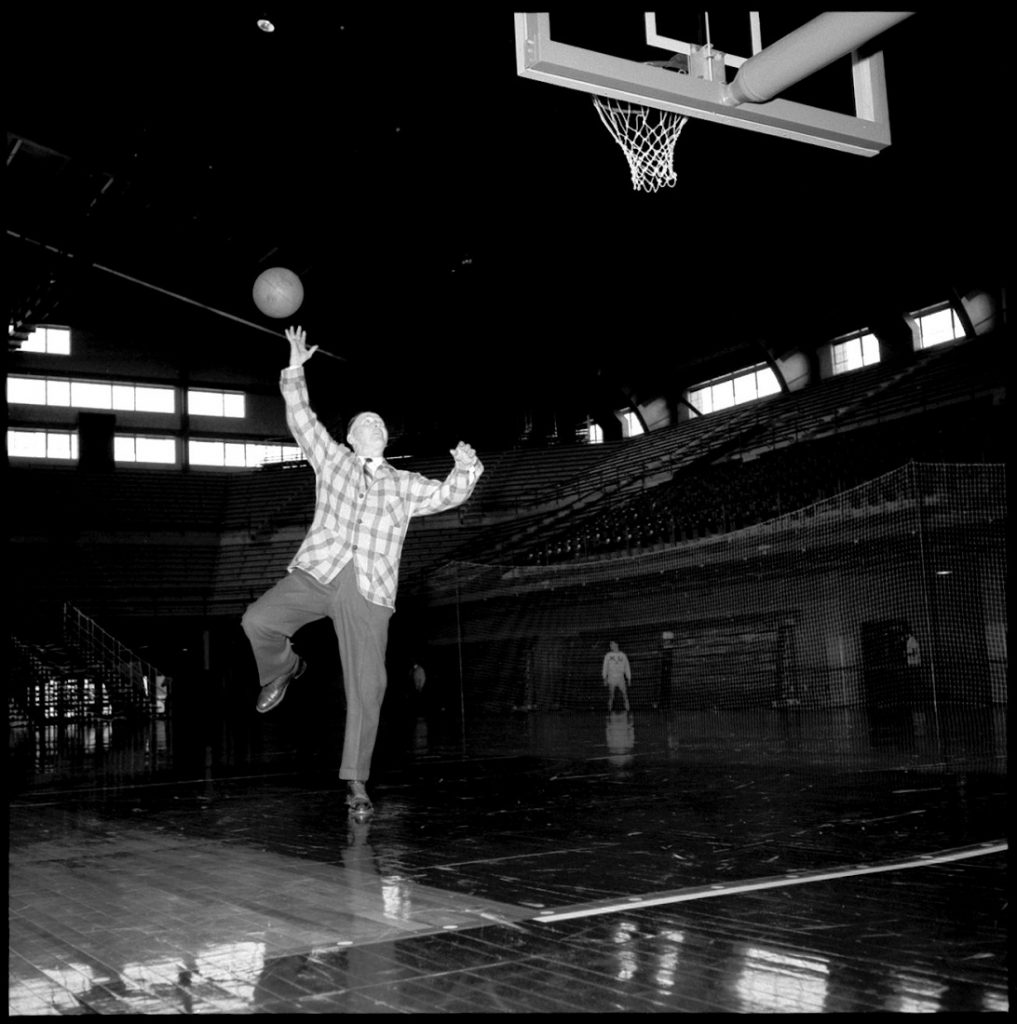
pixel 49 437
pixel 843 362
pixel 224 403
pixel 926 314
pixel 708 392
pixel 281 452
pixel 59 392
pixel 52 341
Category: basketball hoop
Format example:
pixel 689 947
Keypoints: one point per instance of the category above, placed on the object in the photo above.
pixel 647 137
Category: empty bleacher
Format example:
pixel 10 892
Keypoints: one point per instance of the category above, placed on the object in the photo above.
pixel 137 541
pixel 941 378
pixel 792 450
pixel 278 494
pixel 515 481
pixel 125 574
pixel 125 499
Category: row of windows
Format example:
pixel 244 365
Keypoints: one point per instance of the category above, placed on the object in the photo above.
pixel 86 394
pixel 127 448
pixel 83 394
pixel 933 326
pixel 852 352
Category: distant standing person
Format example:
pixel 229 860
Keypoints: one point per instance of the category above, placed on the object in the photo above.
pixel 420 692
pixel 617 674
pixel 913 651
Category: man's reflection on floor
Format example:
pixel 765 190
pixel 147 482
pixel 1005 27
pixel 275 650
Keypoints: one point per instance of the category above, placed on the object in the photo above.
pixel 346 965
pixel 621 737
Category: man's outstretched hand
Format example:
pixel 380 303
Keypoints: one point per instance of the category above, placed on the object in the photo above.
pixel 299 352
pixel 465 456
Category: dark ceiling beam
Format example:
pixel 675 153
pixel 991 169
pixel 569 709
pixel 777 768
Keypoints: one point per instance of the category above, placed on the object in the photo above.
pixel 957 304
pixel 41 289
pixel 771 362
pixel 633 406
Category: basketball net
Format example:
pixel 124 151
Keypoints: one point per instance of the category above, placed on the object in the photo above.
pixel 647 137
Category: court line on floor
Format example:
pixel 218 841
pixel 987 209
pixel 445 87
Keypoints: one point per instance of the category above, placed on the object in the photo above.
pixel 700 892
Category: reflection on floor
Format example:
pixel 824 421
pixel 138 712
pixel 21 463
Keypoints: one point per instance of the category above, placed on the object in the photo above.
pixel 186 867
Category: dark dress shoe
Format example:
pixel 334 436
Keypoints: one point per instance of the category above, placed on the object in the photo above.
pixel 271 696
pixel 358 801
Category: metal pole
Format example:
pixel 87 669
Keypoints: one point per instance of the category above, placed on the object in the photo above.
pixel 459 647
pixel 805 51
pixel 166 291
pixel 930 607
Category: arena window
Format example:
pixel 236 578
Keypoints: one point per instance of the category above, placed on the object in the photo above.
pixel 86 394
pixel 631 427
pixel 239 454
pixel 854 351
pixel 53 341
pixel 43 444
pixel 202 402
pixel 746 385
pixel 137 448
pixel 936 326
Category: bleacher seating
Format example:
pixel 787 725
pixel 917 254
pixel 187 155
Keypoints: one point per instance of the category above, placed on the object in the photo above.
pixel 516 480
pixel 278 494
pixel 119 575
pixel 946 404
pixel 126 499
pixel 160 541
pixel 942 377
pixel 245 568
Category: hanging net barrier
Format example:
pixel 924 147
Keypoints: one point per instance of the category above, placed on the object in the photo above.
pixel 647 137
pixel 891 594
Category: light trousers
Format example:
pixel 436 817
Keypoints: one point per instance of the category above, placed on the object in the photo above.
pixel 611 687
pixel 362 631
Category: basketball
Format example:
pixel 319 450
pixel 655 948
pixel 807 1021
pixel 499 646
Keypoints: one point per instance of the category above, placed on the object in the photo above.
pixel 278 292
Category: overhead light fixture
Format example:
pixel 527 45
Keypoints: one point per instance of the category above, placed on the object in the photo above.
pixel 944 572
pixel 266 25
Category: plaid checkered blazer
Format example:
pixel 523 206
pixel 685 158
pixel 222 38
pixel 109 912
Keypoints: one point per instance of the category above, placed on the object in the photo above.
pixel 354 520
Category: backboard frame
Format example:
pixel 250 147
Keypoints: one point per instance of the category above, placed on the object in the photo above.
pixel 542 58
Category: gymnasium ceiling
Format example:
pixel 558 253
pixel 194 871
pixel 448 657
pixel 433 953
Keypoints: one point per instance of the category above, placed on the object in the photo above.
pixel 467 239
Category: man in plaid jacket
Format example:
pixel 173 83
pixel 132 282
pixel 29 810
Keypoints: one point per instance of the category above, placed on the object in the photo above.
pixel 348 564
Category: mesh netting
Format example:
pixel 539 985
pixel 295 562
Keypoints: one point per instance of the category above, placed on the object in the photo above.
pixel 647 137
pixel 890 594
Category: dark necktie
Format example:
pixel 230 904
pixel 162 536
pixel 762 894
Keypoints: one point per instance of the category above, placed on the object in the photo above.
pixel 368 471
